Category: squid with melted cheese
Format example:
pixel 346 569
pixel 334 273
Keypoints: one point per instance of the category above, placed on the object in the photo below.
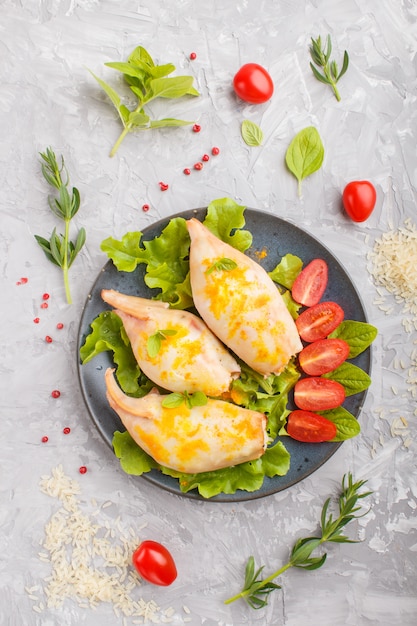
pixel 190 439
pixel 240 303
pixel 188 356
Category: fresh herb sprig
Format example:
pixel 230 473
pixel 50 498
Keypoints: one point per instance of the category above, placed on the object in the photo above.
pixel 257 589
pixel 59 249
pixel 176 399
pixel 147 81
pixel 321 58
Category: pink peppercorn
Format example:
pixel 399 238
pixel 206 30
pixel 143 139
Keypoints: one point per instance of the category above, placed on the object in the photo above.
pixel 198 166
pixel 215 151
pixel 55 393
pixel 145 208
pixel 196 128
pixel 48 339
pixel 193 56
pixel 45 296
pixel 44 305
pixel 205 157
pixel 187 171
pixel 83 469
pixel 66 430
pixel 36 320
pixel 60 326
pixel 45 439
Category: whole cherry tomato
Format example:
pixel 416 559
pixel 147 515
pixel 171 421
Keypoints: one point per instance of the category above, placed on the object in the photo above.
pixel 154 563
pixel 310 427
pixel 359 199
pixel 253 84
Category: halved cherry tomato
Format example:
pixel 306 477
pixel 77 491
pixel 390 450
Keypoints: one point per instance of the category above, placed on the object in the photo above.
pixel 323 356
pixel 318 321
pixel 359 199
pixel 154 563
pixel 318 394
pixel 253 84
pixel 311 283
pixel 310 427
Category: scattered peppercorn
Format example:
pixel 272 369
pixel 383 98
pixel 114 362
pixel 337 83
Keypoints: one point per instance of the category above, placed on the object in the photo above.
pixel 83 469
pixel 45 296
pixel 36 320
pixel 205 157
pixel 163 186
pixel 48 339
pixel 55 393
pixel 215 151
pixel 145 208
pixel 196 128
pixel 60 326
pixel 198 166
pixel 193 56
pixel 45 439
pixel 44 305
pixel 66 430
pixel 187 171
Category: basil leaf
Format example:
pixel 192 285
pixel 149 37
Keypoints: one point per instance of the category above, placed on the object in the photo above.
pixel 251 133
pixel 154 344
pixel 359 335
pixel 222 265
pixel 347 425
pixel 353 378
pixel 305 154
pixel 173 400
pixel 174 87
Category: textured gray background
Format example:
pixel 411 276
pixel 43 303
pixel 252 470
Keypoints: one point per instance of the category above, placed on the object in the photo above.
pixel 48 97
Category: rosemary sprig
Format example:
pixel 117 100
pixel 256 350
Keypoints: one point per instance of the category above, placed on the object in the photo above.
pixel 257 589
pixel 321 58
pixel 59 249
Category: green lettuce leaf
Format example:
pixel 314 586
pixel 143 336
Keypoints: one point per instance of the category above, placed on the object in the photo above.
pixel 287 270
pixel 225 219
pixel 247 476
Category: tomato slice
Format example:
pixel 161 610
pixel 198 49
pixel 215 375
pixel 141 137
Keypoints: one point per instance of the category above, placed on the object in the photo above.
pixel 318 394
pixel 323 356
pixel 310 427
pixel 318 321
pixel 311 283
pixel 154 563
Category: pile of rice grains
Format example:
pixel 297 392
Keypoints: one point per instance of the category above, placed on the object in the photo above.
pixel 90 561
pixel 393 263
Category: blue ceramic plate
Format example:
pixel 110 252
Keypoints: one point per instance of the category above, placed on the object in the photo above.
pixel 278 238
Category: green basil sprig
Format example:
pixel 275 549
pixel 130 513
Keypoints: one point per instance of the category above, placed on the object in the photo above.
pixel 155 341
pixel 147 81
pixel 174 400
pixel 305 154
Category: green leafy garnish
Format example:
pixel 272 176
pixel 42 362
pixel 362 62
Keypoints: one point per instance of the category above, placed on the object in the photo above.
pixel 321 58
pixel 287 270
pixel 174 400
pixel 147 82
pixel 252 134
pixel 359 335
pixel 155 341
pixel 257 589
pixel 222 265
pixel 353 378
pixel 305 154
pixel 59 249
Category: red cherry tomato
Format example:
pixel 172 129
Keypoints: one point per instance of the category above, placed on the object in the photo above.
pixel 359 199
pixel 318 321
pixel 310 427
pixel 310 283
pixel 253 84
pixel 323 356
pixel 318 394
pixel 154 563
